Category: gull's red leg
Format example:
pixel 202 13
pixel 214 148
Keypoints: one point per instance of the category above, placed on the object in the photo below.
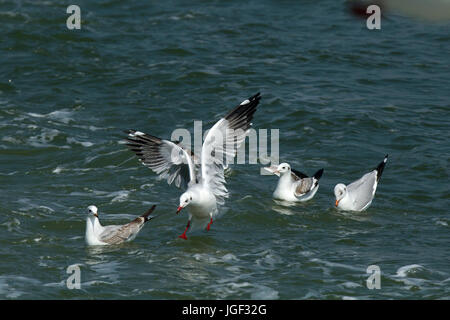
pixel 209 225
pixel 183 236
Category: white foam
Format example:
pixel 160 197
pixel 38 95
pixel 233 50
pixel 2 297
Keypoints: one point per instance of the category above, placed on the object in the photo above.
pixel 235 269
pixel 336 265
pixel 206 258
pixel 120 196
pixel 11 140
pixel 235 285
pixel 229 257
pixel 405 270
pixel 36 115
pixel 71 140
pixel 350 284
pixel 43 139
pixel 48 209
pixel 264 293
pixel 57 170
pixel 61 115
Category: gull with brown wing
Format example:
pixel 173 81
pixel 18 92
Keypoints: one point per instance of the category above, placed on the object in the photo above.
pixel 294 185
pixel 98 235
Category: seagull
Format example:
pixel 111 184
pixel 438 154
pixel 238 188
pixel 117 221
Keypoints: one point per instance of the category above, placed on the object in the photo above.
pixel 202 178
pixel 294 185
pixel 358 195
pixel 98 235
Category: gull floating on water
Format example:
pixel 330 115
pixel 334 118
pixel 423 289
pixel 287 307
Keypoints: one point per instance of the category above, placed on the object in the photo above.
pixel 205 183
pixel 294 185
pixel 358 195
pixel 96 234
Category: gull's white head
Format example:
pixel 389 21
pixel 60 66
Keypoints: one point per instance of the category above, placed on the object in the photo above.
pixel 185 199
pixel 92 211
pixel 339 191
pixel 283 168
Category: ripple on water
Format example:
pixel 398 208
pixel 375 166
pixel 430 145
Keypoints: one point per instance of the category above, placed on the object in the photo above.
pixel 14 286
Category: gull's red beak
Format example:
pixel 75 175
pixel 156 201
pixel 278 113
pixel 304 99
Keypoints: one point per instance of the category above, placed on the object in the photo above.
pixel 179 209
pixel 337 202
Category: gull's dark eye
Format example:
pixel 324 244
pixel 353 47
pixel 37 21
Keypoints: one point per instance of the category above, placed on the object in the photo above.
pixel 191 198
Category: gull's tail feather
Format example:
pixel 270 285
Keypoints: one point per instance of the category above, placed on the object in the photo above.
pixel 381 166
pixel 146 214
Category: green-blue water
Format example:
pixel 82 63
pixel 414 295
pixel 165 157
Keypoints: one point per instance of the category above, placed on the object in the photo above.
pixel 342 96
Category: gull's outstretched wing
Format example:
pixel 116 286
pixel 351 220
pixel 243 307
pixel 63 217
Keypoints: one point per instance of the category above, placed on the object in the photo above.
pixel 168 159
pixel 221 144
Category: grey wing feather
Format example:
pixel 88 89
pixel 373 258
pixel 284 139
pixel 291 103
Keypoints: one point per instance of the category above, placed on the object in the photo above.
pixel 363 190
pixel 119 234
pixel 166 158
pixel 303 186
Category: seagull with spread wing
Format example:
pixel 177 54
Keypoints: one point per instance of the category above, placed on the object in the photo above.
pixel 204 182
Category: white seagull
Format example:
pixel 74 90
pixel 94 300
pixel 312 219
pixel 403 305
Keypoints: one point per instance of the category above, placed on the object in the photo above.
pixel 204 183
pixel 358 195
pixel 98 235
pixel 294 185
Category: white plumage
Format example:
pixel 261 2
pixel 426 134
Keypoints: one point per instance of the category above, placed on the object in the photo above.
pixel 358 195
pixel 204 182
pixel 294 185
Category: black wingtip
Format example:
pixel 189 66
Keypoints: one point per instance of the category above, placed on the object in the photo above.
pixel 256 96
pixel 149 211
pixel 318 174
pixel 242 115
pixel 299 174
pixel 381 166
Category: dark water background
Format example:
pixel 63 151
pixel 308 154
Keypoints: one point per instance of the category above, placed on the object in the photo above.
pixel 341 95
